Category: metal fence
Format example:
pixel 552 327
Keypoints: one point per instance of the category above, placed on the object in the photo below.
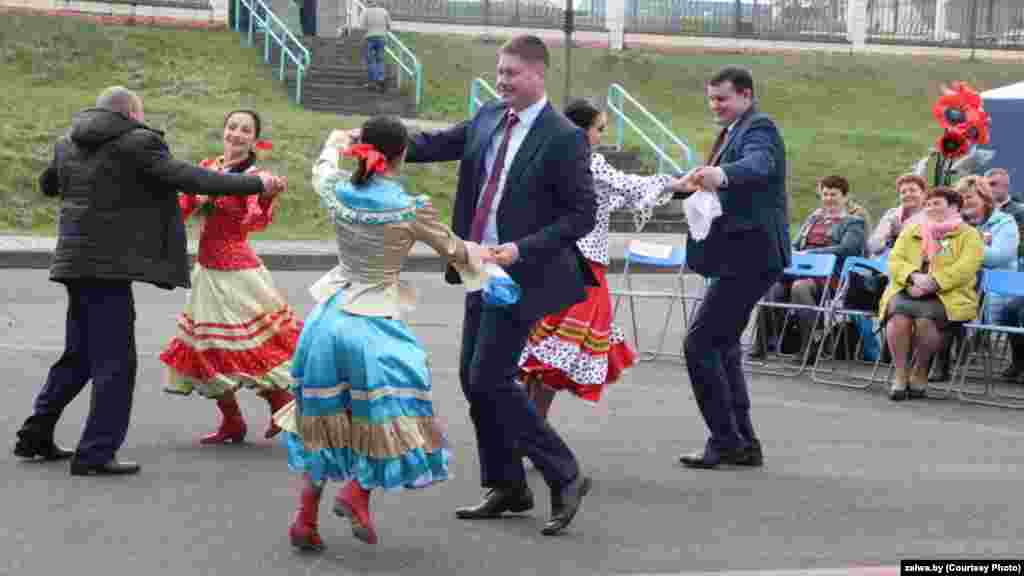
pixel 812 20
pixel 963 23
pixel 588 14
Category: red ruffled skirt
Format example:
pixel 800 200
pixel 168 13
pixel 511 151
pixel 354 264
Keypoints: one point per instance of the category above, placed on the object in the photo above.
pixel 579 349
pixel 236 331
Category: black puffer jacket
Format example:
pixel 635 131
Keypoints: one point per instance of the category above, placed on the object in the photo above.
pixel 119 215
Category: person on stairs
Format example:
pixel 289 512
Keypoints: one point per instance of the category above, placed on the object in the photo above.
pixel 377 22
pixel 237 330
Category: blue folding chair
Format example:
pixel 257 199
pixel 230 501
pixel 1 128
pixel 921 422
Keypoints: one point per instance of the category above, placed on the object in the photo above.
pixel 850 371
pixel 802 265
pixel 980 344
pixel 640 255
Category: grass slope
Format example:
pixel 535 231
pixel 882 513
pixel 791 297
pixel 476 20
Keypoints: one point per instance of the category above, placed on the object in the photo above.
pixel 866 117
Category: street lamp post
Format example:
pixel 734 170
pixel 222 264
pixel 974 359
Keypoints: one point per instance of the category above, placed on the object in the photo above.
pixel 569 25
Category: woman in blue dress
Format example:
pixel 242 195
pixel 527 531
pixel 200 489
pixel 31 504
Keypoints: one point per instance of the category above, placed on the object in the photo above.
pixel 363 413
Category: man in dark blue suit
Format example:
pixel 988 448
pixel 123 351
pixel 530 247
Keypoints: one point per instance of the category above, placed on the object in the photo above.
pixel 525 190
pixel 743 255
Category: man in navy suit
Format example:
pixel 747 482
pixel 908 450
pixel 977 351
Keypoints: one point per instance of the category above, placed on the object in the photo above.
pixel 525 190
pixel 743 255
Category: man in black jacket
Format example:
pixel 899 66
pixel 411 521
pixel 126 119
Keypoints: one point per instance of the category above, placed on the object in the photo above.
pixel 119 223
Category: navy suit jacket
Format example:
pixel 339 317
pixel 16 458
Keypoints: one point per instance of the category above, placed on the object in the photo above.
pixel 548 202
pixel 751 237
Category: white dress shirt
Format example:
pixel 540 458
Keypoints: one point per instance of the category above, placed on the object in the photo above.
pixel 526 118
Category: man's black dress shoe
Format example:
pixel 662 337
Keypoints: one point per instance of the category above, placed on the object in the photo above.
pixel 29 449
pixel 708 459
pixel 111 468
pixel 754 455
pixel 496 502
pixel 565 504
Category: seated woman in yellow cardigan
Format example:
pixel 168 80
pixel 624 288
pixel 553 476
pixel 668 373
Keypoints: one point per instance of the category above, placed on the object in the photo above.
pixel 933 269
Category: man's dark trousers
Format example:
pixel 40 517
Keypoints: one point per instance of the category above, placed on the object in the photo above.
pixel 507 423
pixel 714 358
pixel 99 345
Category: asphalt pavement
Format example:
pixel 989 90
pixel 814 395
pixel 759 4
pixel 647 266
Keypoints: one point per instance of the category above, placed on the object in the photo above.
pixel 851 480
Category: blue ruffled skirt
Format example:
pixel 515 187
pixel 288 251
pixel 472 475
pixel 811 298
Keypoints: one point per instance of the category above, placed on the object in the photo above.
pixel 363 404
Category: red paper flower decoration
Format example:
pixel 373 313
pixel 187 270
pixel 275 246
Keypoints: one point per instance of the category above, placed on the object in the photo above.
pixel 954 142
pixel 978 125
pixel 964 122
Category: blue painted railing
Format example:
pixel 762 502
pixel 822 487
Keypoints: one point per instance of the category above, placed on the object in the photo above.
pixel 475 88
pixel 617 100
pixel 274 30
pixel 403 57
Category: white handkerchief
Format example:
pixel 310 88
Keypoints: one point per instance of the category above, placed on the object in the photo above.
pixel 701 208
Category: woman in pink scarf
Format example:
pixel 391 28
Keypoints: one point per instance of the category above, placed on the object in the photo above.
pixel 933 270
pixel 912 190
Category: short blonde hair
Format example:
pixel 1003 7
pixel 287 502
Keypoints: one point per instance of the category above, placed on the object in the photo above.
pixel 977 185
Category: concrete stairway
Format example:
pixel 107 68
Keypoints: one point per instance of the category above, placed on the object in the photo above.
pixel 336 81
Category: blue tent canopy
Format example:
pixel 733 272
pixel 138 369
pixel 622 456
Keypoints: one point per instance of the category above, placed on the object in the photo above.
pixel 1006 106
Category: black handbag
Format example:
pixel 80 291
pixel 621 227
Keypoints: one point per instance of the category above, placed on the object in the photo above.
pixel 865 287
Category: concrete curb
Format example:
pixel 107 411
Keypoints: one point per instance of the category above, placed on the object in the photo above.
pixel 36 253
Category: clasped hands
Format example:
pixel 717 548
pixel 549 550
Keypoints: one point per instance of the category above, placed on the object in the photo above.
pixel 922 285
pixel 701 178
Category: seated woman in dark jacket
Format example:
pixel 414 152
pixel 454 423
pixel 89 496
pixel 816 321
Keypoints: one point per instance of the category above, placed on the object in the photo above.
pixel 833 228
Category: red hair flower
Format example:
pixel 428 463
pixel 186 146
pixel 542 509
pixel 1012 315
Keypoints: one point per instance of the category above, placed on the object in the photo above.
pixel 262 148
pixel 954 142
pixel 375 161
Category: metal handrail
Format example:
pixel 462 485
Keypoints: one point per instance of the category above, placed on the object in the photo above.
pixel 267 20
pixel 617 96
pixel 475 102
pixel 414 69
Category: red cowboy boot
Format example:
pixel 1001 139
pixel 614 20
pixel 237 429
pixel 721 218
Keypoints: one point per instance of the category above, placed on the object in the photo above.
pixel 353 502
pixel 232 425
pixel 277 399
pixel 303 531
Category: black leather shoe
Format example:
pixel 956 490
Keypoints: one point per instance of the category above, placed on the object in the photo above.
pixel 708 460
pixel 753 456
pixel 496 502
pixel 111 468
pixel 30 448
pixel 565 504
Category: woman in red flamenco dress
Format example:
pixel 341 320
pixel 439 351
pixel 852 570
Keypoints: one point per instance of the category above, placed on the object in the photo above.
pixel 579 349
pixel 236 330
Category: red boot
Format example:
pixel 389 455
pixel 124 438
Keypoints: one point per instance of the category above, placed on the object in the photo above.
pixel 277 399
pixel 232 425
pixel 353 502
pixel 303 532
